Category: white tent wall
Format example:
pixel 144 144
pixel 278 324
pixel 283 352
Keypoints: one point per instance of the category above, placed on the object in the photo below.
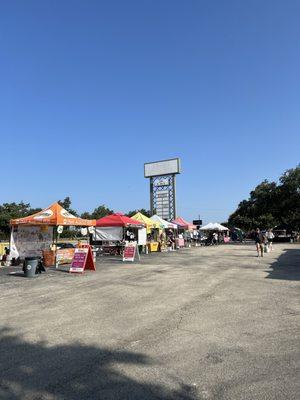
pixel 108 233
pixel 142 236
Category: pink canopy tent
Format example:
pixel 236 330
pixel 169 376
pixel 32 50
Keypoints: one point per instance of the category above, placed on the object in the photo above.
pixel 183 224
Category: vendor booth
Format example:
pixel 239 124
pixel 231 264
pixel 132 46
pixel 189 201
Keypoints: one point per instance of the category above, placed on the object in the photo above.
pixel 37 234
pixel 113 230
pixel 165 224
pixel 168 234
pixel 153 231
pixel 214 226
pixel 185 232
pixel 222 232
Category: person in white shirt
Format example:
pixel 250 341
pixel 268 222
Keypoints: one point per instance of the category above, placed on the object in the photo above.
pixel 270 237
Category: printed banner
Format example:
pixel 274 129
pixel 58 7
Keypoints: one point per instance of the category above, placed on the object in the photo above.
pixel 27 241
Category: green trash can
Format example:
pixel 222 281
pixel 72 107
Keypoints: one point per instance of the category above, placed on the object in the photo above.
pixel 30 266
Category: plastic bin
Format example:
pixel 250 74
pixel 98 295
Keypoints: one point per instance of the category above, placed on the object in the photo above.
pixel 30 266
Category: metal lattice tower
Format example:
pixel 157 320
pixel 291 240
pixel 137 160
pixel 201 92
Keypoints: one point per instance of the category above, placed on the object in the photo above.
pixel 163 186
pixel 163 196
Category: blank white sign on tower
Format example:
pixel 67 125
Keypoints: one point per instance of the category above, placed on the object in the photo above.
pixel 164 167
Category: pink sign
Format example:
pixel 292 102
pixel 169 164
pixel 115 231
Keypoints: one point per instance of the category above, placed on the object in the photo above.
pixel 82 260
pixel 79 260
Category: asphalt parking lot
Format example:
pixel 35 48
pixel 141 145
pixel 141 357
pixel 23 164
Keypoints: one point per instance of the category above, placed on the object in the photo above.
pixel 202 323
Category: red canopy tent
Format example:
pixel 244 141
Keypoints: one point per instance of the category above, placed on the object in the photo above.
pixel 183 224
pixel 118 219
pixel 111 229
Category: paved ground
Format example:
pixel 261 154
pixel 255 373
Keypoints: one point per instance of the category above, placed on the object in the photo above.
pixel 203 323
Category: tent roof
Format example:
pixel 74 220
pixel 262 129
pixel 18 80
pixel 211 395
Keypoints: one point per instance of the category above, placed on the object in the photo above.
pixel 117 219
pixel 53 215
pixel 208 227
pixel 182 223
pixel 221 227
pixel 147 221
pixel 213 227
pixel 163 222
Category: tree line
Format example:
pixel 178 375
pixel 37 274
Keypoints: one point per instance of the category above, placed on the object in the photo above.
pixel 271 204
pixel 14 210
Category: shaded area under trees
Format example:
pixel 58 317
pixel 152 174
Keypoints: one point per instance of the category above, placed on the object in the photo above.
pixel 75 372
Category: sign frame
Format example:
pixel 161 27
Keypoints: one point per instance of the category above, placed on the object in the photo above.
pixel 131 250
pixel 164 172
pixel 82 260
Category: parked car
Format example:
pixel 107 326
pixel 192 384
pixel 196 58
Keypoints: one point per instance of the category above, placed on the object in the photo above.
pixel 65 246
pixel 281 235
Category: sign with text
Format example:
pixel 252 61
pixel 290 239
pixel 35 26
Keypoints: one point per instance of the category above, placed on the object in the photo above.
pixel 82 260
pixel 197 222
pixel 129 251
pixel 64 256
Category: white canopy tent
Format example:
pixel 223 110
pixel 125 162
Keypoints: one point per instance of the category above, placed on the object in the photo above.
pixel 163 222
pixel 214 227
pixel 208 227
pixel 221 227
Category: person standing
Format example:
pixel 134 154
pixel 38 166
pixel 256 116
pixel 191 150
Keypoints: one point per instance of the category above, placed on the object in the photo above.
pixel 270 237
pixel 259 242
pixel 215 238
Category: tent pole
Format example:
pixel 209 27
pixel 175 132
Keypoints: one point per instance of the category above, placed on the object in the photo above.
pixel 55 234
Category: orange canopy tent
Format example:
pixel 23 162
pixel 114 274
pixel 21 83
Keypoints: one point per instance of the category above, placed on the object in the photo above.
pixel 53 215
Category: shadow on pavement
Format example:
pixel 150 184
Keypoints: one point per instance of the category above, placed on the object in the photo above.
pixel 73 372
pixel 287 266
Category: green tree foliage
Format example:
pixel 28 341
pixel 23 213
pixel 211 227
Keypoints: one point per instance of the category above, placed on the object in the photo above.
pixel 142 211
pixel 68 232
pixel 10 211
pixel 99 212
pixel 66 204
pixel 271 204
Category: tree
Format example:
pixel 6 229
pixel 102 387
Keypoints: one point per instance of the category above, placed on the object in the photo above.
pixel 66 204
pixel 142 211
pixel 99 212
pixel 271 204
pixel 10 211
pixel 289 195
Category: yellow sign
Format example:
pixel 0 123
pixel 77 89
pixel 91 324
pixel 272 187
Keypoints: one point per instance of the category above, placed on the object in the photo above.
pixel 154 246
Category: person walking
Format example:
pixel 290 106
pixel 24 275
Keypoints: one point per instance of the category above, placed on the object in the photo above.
pixel 270 237
pixel 259 242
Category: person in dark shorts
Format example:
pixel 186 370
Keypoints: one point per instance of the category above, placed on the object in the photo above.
pixel 259 242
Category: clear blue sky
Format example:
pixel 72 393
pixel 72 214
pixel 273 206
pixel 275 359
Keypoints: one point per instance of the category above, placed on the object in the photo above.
pixel 90 90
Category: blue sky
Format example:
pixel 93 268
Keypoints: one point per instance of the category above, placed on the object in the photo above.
pixel 90 90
